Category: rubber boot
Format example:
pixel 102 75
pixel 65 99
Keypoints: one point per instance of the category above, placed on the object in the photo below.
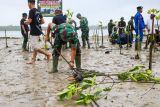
pixel 78 61
pixel 55 64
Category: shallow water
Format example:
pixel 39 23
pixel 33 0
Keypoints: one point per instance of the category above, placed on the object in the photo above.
pixel 23 85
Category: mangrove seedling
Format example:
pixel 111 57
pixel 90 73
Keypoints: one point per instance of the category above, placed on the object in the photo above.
pixel 85 92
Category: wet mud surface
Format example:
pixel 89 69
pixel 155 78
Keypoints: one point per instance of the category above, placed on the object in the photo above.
pixel 23 85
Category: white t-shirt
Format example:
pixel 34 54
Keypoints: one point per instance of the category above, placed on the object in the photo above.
pixel 149 26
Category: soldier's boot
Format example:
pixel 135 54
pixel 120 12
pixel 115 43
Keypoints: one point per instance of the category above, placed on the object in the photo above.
pixel 55 64
pixel 88 44
pixel 78 61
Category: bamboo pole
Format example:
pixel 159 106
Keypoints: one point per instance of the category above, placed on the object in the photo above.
pixel 6 38
pixel 151 46
pixel 102 35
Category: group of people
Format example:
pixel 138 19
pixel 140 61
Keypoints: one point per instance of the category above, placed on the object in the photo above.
pixel 123 33
pixel 65 31
pixel 62 30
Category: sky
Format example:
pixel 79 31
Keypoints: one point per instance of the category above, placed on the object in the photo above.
pixel 94 10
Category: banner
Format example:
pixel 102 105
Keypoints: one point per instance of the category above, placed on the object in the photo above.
pixel 47 7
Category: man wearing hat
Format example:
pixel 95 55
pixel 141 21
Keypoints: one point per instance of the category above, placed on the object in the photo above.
pixel 24 31
pixel 85 30
pixel 121 26
pixel 149 28
pixel 110 27
pixel 130 29
pixel 139 26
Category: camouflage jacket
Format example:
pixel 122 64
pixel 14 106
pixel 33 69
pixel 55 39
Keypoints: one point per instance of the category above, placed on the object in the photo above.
pixel 66 33
pixel 84 24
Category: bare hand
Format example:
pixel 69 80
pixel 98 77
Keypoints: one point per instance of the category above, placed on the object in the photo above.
pixel 47 38
pixel 71 65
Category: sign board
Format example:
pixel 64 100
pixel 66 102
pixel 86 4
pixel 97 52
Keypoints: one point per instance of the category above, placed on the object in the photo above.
pixel 47 7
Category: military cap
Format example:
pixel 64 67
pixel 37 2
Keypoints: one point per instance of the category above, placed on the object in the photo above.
pixel 122 18
pixel 139 7
pixel 78 14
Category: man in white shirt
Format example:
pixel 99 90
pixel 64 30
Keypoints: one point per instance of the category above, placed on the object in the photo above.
pixel 149 30
pixel 149 24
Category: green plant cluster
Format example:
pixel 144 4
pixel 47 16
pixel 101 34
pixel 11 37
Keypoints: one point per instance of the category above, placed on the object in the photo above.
pixel 153 11
pixel 85 92
pixel 137 74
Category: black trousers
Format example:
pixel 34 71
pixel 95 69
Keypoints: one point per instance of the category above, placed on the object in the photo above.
pixel 25 40
pixel 110 33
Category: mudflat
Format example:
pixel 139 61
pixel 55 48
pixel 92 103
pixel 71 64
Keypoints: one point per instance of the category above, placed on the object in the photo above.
pixel 23 85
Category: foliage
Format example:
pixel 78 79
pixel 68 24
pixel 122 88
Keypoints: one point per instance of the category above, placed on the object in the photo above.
pixel 86 91
pixel 69 14
pixel 137 74
pixel 153 11
pixel 158 17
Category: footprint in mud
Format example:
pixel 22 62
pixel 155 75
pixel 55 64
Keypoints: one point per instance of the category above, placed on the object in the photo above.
pixel 149 104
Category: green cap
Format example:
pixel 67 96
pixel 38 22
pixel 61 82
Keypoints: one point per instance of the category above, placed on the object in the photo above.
pixel 78 14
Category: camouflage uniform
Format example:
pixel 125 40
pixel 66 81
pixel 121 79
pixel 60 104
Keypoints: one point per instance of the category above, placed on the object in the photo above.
pixel 85 31
pixel 110 28
pixel 66 33
pixel 130 29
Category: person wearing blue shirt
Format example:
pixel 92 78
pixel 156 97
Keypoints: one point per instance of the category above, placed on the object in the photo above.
pixel 139 26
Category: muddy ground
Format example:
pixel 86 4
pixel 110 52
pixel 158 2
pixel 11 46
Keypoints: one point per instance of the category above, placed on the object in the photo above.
pixel 23 85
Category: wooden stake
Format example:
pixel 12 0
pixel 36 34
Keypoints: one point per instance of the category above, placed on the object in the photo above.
pixel 151 46
pixel 6 38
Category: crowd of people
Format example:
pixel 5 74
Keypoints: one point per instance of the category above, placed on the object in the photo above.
pixel 64 30
pixel 122 33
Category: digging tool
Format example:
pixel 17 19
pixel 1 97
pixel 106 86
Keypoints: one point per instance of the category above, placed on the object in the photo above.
pixel 77 76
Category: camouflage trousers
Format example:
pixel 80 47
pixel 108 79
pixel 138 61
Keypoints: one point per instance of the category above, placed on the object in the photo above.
pixel 85 38
pixel 56 53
